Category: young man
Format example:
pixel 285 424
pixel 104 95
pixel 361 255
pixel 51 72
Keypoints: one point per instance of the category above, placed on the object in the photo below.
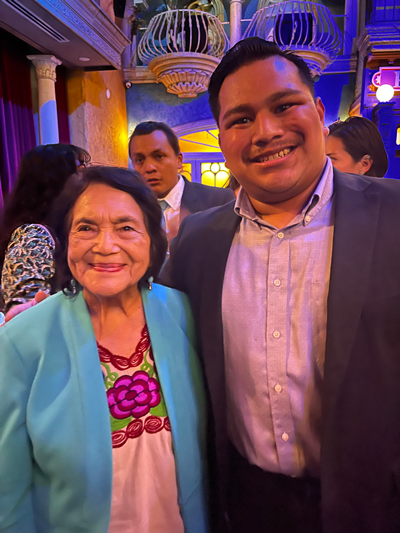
pixel 154 151
pixel 295 291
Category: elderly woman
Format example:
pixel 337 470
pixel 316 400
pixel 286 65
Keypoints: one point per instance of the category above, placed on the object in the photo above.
pixel 102 412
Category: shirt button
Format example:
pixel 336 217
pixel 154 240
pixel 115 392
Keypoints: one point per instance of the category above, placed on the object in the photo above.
pixel 278 388
pixel 281 235
pixel 285 436
pixel 277 283
pixel 307 219
pixel 276 334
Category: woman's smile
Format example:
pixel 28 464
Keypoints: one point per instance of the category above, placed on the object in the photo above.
pixel 107 267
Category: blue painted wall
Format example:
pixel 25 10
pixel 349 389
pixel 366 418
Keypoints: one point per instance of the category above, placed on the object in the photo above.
pixel 337 94
pixel 152 102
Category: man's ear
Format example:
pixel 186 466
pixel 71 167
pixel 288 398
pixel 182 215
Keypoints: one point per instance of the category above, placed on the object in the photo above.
pixel 321 113
pixel 180 161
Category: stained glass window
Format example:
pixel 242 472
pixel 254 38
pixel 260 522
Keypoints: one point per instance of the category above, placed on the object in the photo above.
pixel 204 161
pixel 214 174
pixel 201 141
pixel 187 171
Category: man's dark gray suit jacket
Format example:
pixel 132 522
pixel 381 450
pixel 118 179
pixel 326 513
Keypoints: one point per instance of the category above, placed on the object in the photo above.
pixel 360 462
pixel 197 197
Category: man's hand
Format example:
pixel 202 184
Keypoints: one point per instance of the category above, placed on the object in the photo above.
pixel 17 309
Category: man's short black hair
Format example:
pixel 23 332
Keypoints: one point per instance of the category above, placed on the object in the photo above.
pixel 146 128
pixel 245 53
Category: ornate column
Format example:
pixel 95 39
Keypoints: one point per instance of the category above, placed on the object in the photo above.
pixel 235 21
pixel 364 47
pixel 46 75
pixel 350 26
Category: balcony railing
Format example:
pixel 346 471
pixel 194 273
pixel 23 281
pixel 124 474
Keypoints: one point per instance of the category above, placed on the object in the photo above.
pixel 306 28
pixel 183 48
pixel 183 30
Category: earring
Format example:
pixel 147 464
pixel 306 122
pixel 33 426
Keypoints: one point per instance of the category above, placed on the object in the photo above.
pixel 73 285
pixel 149 282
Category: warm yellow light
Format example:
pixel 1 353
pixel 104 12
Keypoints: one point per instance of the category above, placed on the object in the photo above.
pixel 385 93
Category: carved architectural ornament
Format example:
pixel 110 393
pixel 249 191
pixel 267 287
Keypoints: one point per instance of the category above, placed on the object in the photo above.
pixel 45 66
pixel 315 59
pixel 184 74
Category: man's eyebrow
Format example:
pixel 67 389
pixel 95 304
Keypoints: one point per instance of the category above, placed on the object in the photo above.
pixel 283 94
pixel 273 98
pixel 244 108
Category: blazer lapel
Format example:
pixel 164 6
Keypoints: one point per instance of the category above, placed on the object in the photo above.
pixel 356 219
pixel 92 419
pixel 215 247
pixel 181 383
pixel 189 202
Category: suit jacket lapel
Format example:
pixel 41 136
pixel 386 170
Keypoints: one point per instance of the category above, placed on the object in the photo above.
pixel 356 219
pixel 92 422
pixel 182 387
pixel 189 203
pixel 215 251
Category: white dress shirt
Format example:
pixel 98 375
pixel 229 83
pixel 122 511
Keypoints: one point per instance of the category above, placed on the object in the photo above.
pixel 171 206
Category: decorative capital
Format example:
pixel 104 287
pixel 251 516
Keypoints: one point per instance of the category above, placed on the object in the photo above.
pixel 363 43
pixel 185 74
pixel 45 66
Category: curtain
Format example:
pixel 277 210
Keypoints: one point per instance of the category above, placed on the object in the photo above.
pixel 62 105
pixel 17 130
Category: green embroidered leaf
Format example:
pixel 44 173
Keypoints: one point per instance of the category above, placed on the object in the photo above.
pixel 160 409
pixel 110 377
pixel 146 366
pixel 116 425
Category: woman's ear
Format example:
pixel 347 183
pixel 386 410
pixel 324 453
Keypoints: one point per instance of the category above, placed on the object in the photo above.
pixel 365 164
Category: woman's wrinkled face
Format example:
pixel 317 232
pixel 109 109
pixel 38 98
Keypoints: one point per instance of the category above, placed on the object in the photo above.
pixel 108 245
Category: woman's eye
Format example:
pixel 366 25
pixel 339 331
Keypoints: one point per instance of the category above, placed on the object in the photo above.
pixel 84 228
pixel 126 228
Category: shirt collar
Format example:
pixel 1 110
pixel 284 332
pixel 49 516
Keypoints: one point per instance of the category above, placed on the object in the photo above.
pixel 320 197
pixel 174 196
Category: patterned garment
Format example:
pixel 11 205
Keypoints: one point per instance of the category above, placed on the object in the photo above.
pixel 134 394
pixel 145 492
pixel 28 264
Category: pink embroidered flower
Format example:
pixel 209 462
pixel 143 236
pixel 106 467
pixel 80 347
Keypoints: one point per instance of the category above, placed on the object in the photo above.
pixel 133 395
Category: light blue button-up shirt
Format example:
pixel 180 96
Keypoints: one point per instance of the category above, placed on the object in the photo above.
pixel 274 309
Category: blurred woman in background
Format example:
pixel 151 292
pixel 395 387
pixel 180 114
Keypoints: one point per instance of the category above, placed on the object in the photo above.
pixel 355 146
pixel 26 241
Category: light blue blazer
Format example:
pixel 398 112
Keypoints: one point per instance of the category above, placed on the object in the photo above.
pixel 55 436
